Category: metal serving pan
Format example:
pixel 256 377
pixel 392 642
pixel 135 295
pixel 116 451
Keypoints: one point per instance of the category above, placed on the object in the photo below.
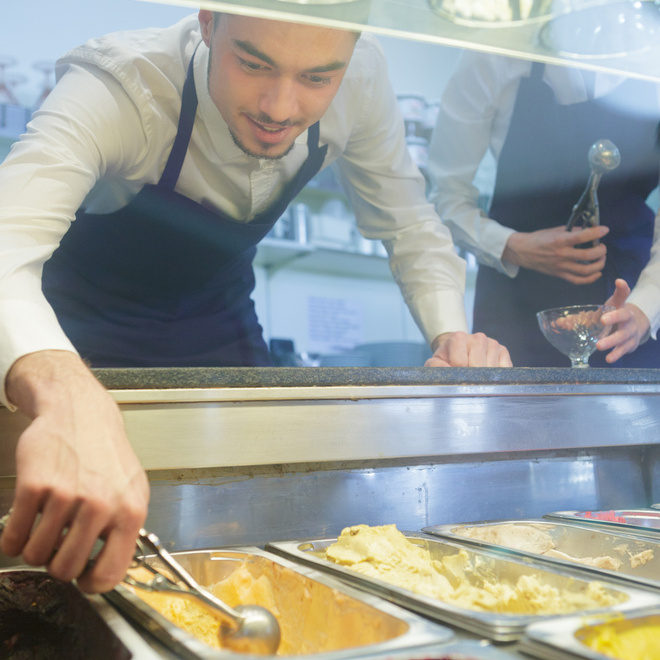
pixel 47 616
pixel 637 521
pixel 457 650
pixel 334 620
pixel 575 541
pixel 561 640
pixel 500 627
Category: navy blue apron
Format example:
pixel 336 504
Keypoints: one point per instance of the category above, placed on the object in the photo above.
pixel 541 174
pixel 164 281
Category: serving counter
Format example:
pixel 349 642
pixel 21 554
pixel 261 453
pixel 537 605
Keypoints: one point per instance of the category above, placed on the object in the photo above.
pixel 248 456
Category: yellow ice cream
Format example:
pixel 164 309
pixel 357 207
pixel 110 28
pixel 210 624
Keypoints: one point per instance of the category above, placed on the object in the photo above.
pixel 626 641
pixel 386 554
pixel 313 617
pixel 239 587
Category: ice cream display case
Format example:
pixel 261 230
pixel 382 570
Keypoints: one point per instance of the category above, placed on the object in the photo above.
pixel 251 457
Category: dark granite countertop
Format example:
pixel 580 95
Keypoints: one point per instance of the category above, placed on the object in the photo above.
pixel 214 377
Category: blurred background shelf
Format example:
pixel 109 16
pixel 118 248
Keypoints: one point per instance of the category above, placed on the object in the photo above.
pixel 274 253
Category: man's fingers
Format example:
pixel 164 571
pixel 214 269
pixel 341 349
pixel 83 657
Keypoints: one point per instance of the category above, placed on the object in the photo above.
pixel 23 515
pixel 578 236
pixel 112 562
pixel 460 349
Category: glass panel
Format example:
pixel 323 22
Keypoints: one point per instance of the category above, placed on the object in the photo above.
pixel 616 35
pixel 322 288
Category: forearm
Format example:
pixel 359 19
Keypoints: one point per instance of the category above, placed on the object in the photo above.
pixel 45 379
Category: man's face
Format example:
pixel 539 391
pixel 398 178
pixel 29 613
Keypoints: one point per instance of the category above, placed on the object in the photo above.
pixel 271 80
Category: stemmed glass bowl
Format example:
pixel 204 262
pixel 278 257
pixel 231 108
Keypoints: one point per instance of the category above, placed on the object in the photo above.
pixel 574 330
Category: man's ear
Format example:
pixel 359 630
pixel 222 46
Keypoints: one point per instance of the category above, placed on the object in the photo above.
pixel 206 24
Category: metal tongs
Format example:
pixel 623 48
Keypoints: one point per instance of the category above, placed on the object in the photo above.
pixel 245 628
pixel 604 156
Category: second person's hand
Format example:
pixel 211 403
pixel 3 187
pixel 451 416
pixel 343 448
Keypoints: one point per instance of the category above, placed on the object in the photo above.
pixel 554 252
pixel 630 325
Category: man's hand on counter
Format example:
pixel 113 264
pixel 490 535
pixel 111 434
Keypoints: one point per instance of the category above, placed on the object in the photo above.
pixel 459 349
pixel 78 477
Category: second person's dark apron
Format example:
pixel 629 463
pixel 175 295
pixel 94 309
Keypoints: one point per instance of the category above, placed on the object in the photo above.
pixel 541 174
pixel 164 281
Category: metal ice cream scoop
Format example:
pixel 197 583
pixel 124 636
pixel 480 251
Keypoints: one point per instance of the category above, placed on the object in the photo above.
pixel 245 628
pixel 604 156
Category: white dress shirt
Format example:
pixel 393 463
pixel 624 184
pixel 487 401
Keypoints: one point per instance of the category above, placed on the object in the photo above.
pixel 107 128
pixel 475 113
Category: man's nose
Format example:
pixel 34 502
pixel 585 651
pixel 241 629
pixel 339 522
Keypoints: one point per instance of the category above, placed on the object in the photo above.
pixel 279 100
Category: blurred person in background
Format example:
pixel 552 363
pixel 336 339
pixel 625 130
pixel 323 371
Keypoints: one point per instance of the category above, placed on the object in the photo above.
pixel 539 122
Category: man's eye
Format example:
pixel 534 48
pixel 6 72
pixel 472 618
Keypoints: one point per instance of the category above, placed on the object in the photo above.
pixel 250 66
pixel 319 80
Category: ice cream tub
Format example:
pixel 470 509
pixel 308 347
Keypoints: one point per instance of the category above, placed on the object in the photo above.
pixel 319 616
pixel 488 594
pixel 633 636
pixel 637 521
pixel 619 555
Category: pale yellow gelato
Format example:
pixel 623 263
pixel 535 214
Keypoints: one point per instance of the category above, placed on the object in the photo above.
pixel 239 587
pixel 313 617
pixel 531 539
pixel 641 558
pixel 625 641
pixel 461 579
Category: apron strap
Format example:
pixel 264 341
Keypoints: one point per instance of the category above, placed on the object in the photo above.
pixel 184 131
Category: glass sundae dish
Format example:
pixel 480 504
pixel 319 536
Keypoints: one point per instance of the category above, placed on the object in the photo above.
pixel 574 330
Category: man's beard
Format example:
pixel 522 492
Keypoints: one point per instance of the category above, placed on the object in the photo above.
pixel 248 152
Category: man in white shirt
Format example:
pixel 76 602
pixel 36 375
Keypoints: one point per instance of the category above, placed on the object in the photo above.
pixel 539 121
pixel 153 140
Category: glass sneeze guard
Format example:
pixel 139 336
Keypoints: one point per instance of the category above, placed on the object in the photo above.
pixel 616 36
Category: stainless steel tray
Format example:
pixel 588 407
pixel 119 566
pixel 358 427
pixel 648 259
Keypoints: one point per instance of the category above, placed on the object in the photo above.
pixel 499 627
pixel 560 639
pixel 637 521
pixel 458 650
pixel 362 624
pixel 54 606
pixel 574 540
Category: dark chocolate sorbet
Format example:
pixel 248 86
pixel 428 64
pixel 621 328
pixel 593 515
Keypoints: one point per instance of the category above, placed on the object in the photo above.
pixel 43 618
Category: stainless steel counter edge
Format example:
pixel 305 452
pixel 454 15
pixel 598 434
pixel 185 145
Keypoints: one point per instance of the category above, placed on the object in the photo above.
pixel 354 392
pixel 181 428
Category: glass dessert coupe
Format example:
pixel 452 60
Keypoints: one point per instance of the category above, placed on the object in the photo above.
pixel 574 330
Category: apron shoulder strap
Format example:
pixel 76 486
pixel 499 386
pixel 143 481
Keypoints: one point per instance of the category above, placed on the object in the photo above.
pixel 184 130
